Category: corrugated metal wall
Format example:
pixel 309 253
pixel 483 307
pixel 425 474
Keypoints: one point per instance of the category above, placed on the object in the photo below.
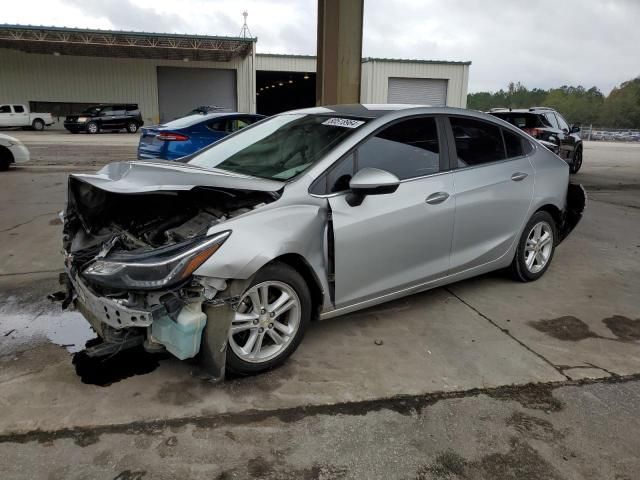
pixel 375 78
pixel 33 77
pixel 286 63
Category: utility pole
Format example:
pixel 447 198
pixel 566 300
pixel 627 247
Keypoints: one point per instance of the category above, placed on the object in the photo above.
pixel 339 51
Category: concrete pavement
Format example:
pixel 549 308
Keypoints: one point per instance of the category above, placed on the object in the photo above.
pixel 580 321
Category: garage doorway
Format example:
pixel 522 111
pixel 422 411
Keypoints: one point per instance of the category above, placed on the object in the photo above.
pixel 421 91
pixel 281 91
pixel 180 90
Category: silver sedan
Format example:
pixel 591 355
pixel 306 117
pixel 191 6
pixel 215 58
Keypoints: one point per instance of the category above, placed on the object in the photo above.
pixel 307 215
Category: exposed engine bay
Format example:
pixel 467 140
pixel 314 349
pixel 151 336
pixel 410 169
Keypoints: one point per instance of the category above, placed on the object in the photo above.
pixel 98 222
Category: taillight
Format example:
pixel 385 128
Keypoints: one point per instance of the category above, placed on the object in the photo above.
pixel 172 137
pixel 534 132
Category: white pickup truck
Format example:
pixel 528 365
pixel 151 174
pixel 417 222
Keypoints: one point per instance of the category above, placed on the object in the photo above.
pixel 16 115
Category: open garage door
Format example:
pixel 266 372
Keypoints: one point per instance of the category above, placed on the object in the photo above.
pixel 422 91
pixel 183 89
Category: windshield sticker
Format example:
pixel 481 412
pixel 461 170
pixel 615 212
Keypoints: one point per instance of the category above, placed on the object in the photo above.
pixel 343 122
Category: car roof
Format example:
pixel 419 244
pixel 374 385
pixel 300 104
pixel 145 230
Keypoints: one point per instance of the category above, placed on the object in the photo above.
pixel 195 118
pixel 522 110
pixel 373 110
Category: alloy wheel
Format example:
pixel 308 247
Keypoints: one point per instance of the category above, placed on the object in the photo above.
pixel 266 321
pixel 539 247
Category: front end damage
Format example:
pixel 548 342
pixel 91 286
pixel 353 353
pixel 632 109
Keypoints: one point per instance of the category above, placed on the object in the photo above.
pixel 130 263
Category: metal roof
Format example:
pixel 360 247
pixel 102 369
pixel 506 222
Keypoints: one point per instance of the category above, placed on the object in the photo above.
pixel 123 44
pixel 411 60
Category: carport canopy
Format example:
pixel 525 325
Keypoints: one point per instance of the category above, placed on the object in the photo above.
pixel 123 44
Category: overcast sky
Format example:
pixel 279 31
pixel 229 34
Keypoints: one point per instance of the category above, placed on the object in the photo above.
pixel 542 43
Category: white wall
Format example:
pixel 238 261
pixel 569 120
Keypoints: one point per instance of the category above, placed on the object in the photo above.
pixel 374 86
pixel 34 77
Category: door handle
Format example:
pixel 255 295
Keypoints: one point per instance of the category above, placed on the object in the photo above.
pixel 516 177
pixel 436 198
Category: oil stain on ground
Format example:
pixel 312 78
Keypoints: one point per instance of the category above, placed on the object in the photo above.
pixel 566 328
pixel 624 328
pixel 534 427
pixel 110 369
pixel 572 329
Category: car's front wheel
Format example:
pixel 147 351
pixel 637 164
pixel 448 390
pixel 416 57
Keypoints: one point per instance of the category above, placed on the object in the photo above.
pixel 92 127
pixel 535 248
pixel 270 320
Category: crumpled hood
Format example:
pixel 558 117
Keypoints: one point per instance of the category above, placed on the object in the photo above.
pixel 141 177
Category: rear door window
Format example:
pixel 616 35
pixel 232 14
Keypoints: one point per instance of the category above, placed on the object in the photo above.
pixel 18 108
pixel 513 144
pixel 477 142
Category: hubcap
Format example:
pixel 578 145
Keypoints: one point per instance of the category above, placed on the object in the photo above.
pixel 265 322
pixel 539 246
pixel 93 128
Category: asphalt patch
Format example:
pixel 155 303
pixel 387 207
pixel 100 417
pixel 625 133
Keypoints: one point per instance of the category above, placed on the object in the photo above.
pixel 521 462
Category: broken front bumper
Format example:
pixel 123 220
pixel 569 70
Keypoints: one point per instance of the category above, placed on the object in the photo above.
pixel 102 310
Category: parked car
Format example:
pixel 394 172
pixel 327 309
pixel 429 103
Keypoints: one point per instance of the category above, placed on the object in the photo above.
pixel 18 115
pixel 181 137
pixel 106 117
pixel 12 151
pixel 547 125
pixel 307 215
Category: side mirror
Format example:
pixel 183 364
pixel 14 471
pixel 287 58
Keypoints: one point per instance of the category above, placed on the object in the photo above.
pixel 575 128
pixel 371 181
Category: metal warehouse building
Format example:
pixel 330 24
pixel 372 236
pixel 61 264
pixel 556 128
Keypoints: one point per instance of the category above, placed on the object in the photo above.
pixel 63 70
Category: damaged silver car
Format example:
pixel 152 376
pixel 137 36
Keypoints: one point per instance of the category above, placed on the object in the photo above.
pixel 306 215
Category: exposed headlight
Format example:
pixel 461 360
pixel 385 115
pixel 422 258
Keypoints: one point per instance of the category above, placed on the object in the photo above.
pixel 82 119
pixel 154 269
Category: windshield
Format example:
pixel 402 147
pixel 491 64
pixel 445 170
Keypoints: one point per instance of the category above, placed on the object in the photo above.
pixel 278 148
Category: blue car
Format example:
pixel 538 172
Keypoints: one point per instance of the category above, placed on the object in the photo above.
pixel 184 136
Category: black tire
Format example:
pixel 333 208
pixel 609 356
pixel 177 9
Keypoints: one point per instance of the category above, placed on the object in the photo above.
pixel 6 159
pixel 38 124
pixel 283 273
pixel 92 127
pixel 132 127
pixel 518 269
pixel 576 163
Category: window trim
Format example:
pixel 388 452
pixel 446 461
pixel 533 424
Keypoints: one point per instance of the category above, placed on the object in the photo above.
pixel 453 150
pixel 443 144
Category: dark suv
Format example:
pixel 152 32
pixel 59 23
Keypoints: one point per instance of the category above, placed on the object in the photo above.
pixel 550 128
pixel 106 117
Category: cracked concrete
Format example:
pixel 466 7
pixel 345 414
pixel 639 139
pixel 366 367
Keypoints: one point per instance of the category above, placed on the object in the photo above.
pixel 463 385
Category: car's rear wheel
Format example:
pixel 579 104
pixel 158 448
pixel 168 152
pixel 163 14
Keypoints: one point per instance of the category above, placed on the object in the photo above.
pixel 577 160
pixel 270 320
pixel 535 248
pixel 37 124
pixel 92 127
pixel 132 127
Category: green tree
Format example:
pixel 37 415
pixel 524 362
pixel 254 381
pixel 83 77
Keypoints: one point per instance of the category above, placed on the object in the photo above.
pixel 622 107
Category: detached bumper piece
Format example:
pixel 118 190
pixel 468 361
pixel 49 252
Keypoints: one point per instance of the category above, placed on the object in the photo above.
pixel 576 203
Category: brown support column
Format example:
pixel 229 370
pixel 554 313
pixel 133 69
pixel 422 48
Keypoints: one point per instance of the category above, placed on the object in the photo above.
pixel 339 51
